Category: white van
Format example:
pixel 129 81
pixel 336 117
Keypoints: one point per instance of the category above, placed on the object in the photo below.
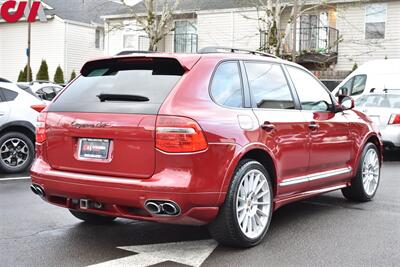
pixel 373 76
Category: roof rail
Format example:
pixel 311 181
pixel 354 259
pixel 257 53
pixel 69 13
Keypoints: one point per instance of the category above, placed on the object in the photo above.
pixel 220 49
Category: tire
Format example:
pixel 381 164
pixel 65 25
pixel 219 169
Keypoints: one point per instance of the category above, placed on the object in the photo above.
pixel 14 147
pixel 92 218
pixel 365 184
pixel 226 228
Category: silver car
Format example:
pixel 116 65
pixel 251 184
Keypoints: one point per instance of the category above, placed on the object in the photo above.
pixel 384 111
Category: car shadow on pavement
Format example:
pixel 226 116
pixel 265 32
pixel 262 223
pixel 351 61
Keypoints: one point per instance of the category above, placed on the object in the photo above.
pixel 104 239
pixel 391 155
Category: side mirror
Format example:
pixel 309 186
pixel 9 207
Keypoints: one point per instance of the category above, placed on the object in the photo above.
pixel 347 103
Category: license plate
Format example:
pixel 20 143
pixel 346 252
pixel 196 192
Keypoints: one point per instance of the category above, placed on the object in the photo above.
pixel 93 148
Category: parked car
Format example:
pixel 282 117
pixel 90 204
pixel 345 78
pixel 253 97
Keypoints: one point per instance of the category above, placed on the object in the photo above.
pixel 46 91
pixel 373 76
pixel 17 128
pixel 130 52
pixel 2 80
pixel 222 139
pixel 331 84
pixel 384 110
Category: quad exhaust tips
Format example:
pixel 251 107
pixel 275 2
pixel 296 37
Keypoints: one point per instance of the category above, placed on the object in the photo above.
pixel 162 207
pixel 37 190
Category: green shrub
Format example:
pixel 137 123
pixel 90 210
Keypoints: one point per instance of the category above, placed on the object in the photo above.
pixel 22 76
pixel 355 66
pixel 73 75
pixel 43 73
pixel 59 76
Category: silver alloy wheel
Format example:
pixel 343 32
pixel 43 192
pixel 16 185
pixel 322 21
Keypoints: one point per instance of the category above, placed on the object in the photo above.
pixel 253 204
pixel 14 152
pixel 370 172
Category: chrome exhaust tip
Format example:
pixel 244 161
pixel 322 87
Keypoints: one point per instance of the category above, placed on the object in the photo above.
pixel 40 191
pixel 37 190
pixel 33 188
pixel 170 209
pixel 153 207
pixel 162 207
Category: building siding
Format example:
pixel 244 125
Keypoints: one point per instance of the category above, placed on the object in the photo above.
pixel 354 48
pixel 80 47
pixel 228 28
pixel 114 37
pixel 47 43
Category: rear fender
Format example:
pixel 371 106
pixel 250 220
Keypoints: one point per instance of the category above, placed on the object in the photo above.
pixel 240 153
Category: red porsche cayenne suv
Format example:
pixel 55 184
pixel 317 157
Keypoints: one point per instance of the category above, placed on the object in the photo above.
pixel 217 138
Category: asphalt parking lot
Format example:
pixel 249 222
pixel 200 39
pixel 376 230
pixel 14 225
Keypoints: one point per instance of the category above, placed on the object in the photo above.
pixel 322 231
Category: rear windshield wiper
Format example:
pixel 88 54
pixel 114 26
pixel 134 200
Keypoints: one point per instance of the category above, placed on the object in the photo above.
pixel 118 97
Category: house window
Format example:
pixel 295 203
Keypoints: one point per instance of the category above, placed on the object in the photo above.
pixel 375 21
pixel 185 38
pixel 99 38
pixel 129 41
pixel 144 43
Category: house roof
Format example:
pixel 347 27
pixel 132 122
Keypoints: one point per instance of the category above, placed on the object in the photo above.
pixel 189 5
pixel 84 11
pixel 200 5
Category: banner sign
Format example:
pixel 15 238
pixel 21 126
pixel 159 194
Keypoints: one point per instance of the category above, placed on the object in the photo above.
pixel 14 11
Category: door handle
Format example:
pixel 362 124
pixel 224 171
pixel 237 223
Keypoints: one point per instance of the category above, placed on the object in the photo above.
pixel 313 126
pixel 268 126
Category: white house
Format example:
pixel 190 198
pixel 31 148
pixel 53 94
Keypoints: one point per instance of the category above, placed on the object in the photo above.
pixel 73 34
pixel 342 33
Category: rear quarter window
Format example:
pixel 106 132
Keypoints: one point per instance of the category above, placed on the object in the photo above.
pixel 226 85
pixel 8 95
pixel 149 80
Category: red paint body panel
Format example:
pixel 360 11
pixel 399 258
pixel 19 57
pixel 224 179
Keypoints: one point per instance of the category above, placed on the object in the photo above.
pixel 132 143
pixel 197 182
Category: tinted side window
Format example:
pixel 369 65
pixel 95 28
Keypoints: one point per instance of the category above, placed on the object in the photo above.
pixel 312 95
pixel 269 86
pixel 9 95
pixel 226 87
pixel 347 87
pixel 359 84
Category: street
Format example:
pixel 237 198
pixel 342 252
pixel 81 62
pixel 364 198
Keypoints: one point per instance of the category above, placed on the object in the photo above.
pixel 323 231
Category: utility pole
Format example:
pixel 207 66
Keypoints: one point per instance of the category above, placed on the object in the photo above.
pixel 28 52
pixel 294 27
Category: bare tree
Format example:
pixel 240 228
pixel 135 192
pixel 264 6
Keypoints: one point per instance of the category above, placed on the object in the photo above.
pixel 156 20
pixel 269 17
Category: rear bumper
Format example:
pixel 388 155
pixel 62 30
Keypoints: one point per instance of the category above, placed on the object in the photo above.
pixel 391 136
pixel 124 197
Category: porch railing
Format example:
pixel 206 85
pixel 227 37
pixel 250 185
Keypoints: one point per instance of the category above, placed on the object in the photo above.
pixel 185 43
pixel 312 39
pixel 318 39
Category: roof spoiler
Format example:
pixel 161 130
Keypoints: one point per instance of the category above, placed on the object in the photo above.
pixel 187 62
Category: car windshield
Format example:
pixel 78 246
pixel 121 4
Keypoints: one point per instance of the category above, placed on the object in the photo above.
pixel 379 101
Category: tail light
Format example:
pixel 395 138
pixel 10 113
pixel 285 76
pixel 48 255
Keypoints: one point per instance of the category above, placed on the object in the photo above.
pixel 395 119
pixel 41 128
pixel 38 108
pixel 179 135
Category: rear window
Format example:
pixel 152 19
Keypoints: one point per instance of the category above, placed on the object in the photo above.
pixel 125 85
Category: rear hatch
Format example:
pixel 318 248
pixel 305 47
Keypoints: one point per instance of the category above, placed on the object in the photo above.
pixel 104 122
